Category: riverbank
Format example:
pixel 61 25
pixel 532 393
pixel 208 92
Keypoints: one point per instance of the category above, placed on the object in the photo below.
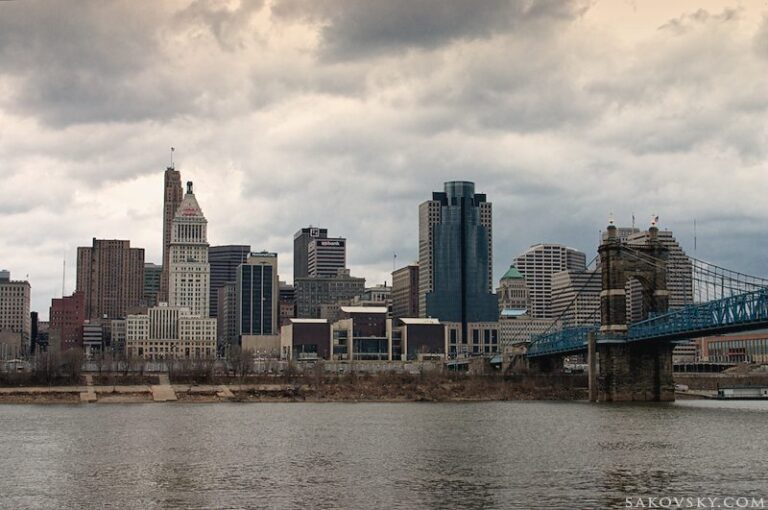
pixel 361 389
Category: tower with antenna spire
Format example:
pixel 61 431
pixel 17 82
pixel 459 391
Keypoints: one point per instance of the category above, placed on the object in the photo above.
pixel 173 193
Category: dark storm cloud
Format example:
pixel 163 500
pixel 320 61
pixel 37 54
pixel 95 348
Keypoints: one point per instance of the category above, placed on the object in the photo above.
pixel 81 61
pixel 111 62
pixel 359 29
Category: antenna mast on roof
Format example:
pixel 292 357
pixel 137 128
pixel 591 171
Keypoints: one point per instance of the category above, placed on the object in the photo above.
pixel 694 235
pixel 172 149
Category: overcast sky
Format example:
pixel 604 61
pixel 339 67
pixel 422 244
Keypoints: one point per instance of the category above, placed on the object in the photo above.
pixel 349 114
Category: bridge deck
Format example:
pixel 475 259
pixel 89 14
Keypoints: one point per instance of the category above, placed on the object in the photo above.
pixel 733 314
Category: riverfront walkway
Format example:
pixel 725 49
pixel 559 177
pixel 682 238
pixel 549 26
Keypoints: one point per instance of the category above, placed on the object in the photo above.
pixel 162 392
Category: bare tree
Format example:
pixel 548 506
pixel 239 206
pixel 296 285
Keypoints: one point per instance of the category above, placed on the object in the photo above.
pixel 72 365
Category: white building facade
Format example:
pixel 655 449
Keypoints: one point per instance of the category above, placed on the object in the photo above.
pixel 169 332
pixel 190 273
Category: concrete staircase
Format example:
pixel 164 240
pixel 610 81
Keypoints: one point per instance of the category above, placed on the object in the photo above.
pixel 163 392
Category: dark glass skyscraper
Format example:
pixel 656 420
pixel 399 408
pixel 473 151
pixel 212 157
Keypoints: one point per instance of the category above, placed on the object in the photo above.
pixel 257 295
pixel 224 261
pixel 455 256
pixel 301 241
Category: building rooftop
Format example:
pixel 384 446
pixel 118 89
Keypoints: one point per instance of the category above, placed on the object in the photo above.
pixel 189 208
pixel 309 321
pixel 419 320
pixel 364 309
pixel 514 312
pixel 512 274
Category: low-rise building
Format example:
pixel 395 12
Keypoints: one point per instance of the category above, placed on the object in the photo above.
pixel 170 332
pixel 363 333
pixel 482 338
pixel 417 338
pixel 740 348
pixel 93 338
pixel 306 339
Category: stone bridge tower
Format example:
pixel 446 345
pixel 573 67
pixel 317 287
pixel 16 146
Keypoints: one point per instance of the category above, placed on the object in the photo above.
pixel 624 371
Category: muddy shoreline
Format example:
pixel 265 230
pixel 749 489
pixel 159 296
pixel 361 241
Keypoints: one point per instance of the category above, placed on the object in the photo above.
pixel 371 390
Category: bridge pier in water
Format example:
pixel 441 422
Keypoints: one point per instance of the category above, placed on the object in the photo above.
pixel 629 372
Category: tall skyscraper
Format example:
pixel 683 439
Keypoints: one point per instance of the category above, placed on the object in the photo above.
pixel 224 261
pixel 538 264
pixel 405 292
pixel 190 273
pixel 110 274
pixel 152 276
pixel 257 302
pixel 173 193
pixel 15 318
pixel 301 241
pixel 456 256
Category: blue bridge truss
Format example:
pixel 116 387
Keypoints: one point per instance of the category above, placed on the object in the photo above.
pixel 732 314
pixel 565 341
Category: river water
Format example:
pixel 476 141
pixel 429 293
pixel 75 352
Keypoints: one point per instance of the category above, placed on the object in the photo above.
pixel 479 455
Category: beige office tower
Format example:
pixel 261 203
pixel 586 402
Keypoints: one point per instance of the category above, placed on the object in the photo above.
pixel 190 273
pixel 110 274
pixel 172 196
pixel 537 265
pixel 679 276
pixel 576 297
pixel 405 291
pixel 15 319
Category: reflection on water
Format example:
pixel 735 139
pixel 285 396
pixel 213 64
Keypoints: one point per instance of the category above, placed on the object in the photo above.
pixel 483 455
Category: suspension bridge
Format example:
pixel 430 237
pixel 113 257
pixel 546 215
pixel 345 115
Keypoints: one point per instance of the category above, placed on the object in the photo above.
pixel 633 360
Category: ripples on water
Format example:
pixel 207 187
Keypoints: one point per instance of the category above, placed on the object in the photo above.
pixel 485 455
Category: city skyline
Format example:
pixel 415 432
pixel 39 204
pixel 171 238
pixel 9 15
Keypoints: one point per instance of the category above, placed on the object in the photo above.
pixel 370 124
